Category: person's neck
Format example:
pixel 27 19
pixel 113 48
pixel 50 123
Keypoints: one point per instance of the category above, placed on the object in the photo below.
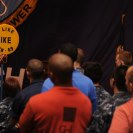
pixel 96 84
pixel 32 80
pixel 116 90
pixel 68 84
pixel 76 65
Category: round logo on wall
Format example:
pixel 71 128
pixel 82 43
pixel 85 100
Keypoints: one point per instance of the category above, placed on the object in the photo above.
pixel 9 39
pixel 14 12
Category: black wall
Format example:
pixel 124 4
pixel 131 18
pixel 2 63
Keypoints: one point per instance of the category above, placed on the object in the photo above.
pixel 94 25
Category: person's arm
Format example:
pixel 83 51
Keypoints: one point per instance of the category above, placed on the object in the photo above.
pixel 119 122
pixel 48 84
pixel 26 121
pixel 17 107
pixel 94 126
pixel 93 97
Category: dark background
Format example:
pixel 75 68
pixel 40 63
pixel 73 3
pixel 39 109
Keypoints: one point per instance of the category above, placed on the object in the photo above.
pixel 94 25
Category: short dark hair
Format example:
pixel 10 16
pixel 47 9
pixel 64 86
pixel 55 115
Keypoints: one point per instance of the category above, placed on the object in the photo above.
pixel 11 87
pixel 36 68
pixel 70 50
pixel 93 70
pixel 119 77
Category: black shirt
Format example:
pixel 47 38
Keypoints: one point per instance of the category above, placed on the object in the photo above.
pixel 22 98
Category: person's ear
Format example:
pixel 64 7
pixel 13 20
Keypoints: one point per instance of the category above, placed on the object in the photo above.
pixel 131 87
pixel 52 77
pixel 112 82
pixel 27 72
pixel 50 74
pixel 122 62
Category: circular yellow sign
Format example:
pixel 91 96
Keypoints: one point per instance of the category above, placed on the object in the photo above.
pixel 9 39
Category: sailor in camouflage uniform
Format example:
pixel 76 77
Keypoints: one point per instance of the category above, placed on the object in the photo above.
pixel 103 116
pixel 10 88
pixel 95 72
pixel 5 108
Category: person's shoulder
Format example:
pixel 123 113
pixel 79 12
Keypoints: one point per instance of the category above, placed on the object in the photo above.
pixel 121 98
pixel 126 106
pixel 31 87
pixel 48 80
pixel 82 95
pixel 24 90
pixel 103 91
pixel 22 94
pixel 6 102
pixel 42 95
pixel 78 74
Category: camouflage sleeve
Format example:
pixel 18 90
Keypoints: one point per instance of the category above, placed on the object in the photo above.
pixel 96 124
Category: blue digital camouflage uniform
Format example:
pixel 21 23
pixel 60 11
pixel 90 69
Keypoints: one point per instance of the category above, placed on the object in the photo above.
pixel 103 115
pixel 102 95
pixel 5 108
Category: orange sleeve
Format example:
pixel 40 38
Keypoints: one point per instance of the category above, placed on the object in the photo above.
pixel 26 120
pixel 119 122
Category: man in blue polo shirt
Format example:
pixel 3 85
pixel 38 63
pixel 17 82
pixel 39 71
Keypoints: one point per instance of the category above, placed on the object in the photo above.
pixel 79 80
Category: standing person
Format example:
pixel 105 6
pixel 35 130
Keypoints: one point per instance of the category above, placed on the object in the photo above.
pixel 103 116
pixel 123 58
pixel 94 71
pixel 63 108
pixel 79 80
pixel 11 87
pixel 80 60
pixel 34 71
pixel 123 117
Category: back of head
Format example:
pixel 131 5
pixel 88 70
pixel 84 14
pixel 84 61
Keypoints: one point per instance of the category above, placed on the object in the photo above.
pixel 35 69
pixel 60 68
pixel 70 50
pixel 129 79
pixel 93 70
pixel 125 57
pixel 129 74
pixel 80 56
pixel 119 78
pixel 11 87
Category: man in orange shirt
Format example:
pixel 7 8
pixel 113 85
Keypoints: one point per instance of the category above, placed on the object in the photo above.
pixel 63 108
pixel 123 117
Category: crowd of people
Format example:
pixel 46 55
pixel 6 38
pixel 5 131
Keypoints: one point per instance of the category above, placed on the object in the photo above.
pixel 71 99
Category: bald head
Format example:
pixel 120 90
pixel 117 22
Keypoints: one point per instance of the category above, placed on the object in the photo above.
pixel 129 79
pixel 60 68
pixel 35 68
pixel 129 74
